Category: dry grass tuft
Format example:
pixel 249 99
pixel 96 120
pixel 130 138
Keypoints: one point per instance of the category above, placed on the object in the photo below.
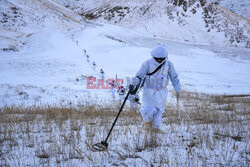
pixel 204 108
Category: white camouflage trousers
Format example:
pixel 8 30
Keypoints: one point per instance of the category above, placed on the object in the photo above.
pixel 153 114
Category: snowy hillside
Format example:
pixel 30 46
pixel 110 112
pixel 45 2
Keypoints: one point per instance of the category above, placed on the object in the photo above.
pixel 241 7
pixel 21 19
pixel 44 70
pixel 196 21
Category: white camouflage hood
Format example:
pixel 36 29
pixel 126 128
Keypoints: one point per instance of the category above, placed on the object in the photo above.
pixel 159 52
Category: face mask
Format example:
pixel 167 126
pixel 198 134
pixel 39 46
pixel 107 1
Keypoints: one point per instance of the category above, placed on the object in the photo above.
pixel 159 60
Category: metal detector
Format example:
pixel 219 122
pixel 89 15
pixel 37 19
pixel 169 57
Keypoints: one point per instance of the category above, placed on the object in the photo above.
pixel 103 146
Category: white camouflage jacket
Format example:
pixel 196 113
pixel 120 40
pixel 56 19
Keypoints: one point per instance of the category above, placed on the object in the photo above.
pixel 155 86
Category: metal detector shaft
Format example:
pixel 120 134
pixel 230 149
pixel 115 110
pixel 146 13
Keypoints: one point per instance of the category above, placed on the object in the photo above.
pixel 117 116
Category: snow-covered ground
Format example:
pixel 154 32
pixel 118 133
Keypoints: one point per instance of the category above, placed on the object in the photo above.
pixel 52 68
pixel 42 62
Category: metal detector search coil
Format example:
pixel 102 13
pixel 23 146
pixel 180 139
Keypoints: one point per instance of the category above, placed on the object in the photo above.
pixel 100 146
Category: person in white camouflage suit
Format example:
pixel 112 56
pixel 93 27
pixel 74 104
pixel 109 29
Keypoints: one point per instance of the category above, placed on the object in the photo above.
pixel 155 85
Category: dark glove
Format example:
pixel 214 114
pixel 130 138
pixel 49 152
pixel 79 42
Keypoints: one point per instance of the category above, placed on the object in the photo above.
pixel 132 89
pixel 136 99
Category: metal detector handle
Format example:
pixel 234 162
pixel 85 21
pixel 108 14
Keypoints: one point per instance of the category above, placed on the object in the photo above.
pixel 117 116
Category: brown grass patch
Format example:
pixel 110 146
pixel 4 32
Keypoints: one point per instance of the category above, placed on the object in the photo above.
pixel 51 134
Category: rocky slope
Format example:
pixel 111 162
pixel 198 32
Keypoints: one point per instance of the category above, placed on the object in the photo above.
pixel 197 21
pixel 241 7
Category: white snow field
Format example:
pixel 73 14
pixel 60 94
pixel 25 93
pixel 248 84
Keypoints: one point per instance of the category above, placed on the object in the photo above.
pixel 48 116
pixel 47 69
